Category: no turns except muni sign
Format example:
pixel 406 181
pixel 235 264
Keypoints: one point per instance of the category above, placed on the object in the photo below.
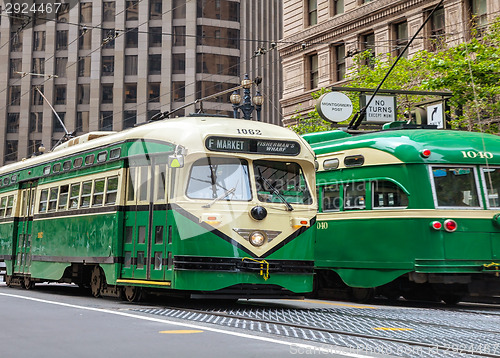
pixel 334 106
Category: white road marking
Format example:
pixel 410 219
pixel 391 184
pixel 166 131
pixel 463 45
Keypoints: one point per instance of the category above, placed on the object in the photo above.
pixel 296 346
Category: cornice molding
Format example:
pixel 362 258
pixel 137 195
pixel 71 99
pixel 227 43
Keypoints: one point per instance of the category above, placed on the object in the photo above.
pixel 348 22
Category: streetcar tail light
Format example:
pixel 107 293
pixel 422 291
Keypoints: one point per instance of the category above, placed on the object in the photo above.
pixel 436 225
pixel 426 153
pixel 450 225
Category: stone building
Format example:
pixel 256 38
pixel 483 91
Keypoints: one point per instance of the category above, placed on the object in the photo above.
pixel 321 37
pixel 107 65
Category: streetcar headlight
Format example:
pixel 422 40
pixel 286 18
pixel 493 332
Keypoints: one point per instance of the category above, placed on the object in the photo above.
pixel 450 225
pixel 257 238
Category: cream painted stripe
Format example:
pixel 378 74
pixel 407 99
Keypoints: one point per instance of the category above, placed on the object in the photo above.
pixel 144 282
pixel 323 350
pixel 408 214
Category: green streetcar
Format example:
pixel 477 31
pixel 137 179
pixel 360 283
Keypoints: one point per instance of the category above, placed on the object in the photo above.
pixel 196 205
pixel 412 212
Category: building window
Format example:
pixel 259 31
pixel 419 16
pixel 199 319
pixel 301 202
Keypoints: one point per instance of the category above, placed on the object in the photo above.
pixel 178 63
pixel 368 46
pixel 130 92
pixel 106 121
pixel 36 122
pixel 56 123
pixel 107 94
pixel 312 12
pixel 179 9
pixel 179 35
pixel 108 65
pixel 86 12
pixel 12 122
pixel 401 34
pixel 10 150
pixel 33 146
pixel 84 94
pixel 16 41
pixel 337 7
pixel 14 95
pixel 37 99
pixel 16 66
pixel 339 62
pixel 61 64
pixel 82 121
pixel 132 38
pixel 154 92
pixel 84 66
pixel 129 119
pixel 154 65
pixel 479 14
pixel 39 41
pixel 60 91
pixel 131 65
pixel 108 38
pixel 63 13
pixel 179 91
pixel 85 39
pixel 38 65
pixel 155 36
pixel 155 9
pixel 62 40
pixel 437 30
pixel 108 11
pixel 313 71
pixel 132 10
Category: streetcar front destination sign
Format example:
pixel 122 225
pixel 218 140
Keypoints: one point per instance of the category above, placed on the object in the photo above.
pixel 252 145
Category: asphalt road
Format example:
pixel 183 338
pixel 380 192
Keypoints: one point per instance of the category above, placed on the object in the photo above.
pixel 55 321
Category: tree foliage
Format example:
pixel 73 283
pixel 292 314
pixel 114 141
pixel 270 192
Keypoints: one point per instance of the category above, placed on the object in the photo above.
pixel 470 70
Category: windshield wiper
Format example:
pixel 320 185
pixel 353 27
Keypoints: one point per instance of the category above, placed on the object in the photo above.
pixel 276 192
pixel 220 197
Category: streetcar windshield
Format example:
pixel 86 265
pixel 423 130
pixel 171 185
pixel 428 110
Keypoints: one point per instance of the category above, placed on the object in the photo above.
pixel 455 187
pixel 219 178
pixel 491 177
pixel 281 181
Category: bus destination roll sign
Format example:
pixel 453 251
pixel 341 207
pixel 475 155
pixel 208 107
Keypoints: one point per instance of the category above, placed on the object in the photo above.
pixel 247 145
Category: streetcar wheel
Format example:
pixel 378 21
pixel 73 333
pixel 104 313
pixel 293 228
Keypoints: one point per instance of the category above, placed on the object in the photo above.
pixel 362 295
pixel 132 293
pixel 96 279
pixel 8 280
pixel 451 299
pixel 28 283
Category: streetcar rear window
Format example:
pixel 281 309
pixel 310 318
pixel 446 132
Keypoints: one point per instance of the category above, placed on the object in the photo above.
pixel 219 178
pixel 455 187
pixel 491 180
pixel 278 181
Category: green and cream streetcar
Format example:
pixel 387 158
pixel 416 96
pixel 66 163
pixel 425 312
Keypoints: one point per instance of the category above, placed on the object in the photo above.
pixel 196 205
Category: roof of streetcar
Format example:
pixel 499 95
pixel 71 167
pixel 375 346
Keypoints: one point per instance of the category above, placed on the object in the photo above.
pixel 408 144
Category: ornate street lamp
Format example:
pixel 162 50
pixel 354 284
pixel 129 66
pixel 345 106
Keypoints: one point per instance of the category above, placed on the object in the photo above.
pixel 247 107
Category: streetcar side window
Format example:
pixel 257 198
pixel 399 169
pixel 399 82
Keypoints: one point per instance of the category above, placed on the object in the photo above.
pixel 111 190
pixel 102 156
pixel 3 204
pixel 63 197
pixel 89 159
pixel 67 165
pixel 331 197
pixel 144 183
pixel 74 196
pixel 161 174
pixel 53 194
pixel 114 153
pixel 491 181
pixel 98 196
pixel 77 163
pixel 86 192
pixel 132 184
pixel 44 197
pixel 10 206
pixel 455 187
pixel 56 168
pixel 354 196
pixel 386 194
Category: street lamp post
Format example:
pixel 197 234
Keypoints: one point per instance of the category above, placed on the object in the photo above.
pixel 247 107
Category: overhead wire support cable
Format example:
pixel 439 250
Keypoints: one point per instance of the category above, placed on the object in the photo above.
pixel 358 117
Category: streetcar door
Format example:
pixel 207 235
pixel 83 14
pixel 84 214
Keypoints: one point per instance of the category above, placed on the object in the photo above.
pixel 137 233
pixel 24 231
pixel 160 243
